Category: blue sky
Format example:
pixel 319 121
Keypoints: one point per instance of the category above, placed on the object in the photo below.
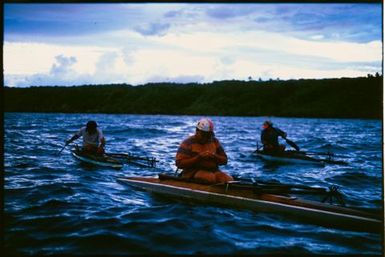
pixel 75 44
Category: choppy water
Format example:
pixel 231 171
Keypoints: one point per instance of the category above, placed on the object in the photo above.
pixel 55 205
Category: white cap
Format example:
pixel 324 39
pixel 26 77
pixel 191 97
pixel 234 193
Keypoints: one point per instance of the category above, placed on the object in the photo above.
pixel 206 125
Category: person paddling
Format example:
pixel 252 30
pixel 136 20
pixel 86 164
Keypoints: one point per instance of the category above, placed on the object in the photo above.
pixel 200 155
pixel 269 138
pixel 93 138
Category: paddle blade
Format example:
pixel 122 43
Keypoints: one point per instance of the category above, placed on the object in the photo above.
pixel 292 144
pixel 58 153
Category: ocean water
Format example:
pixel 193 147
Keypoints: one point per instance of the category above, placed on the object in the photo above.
pixel 53 204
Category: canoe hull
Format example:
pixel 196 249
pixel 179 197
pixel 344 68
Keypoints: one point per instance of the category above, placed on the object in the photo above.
pixel 105 162
pixel 289 159
pixel 316 213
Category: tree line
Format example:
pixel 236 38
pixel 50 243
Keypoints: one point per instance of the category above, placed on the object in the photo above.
pixel 324 98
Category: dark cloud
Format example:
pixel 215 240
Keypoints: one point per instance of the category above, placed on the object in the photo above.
pixel 67 19
pixel 228 11
pixel 348 22
pixel 32 22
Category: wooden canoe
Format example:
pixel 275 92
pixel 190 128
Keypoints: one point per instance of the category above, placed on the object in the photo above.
pixel 238 197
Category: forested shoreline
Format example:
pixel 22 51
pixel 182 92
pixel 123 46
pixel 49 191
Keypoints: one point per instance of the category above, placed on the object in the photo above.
pixel 325 98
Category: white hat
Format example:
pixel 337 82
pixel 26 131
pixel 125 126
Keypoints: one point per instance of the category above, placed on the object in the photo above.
pixel 206 125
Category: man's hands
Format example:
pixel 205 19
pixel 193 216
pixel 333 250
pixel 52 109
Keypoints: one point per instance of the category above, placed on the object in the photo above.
pixel 203 160
pixel 207 155
pixel 100 150
pixel 69 141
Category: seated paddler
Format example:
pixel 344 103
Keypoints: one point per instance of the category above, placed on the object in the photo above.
pixel 200 155
pixel 269 138
pixel 93 138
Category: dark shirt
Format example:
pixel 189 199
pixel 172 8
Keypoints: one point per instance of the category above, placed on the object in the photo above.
pixel 269 136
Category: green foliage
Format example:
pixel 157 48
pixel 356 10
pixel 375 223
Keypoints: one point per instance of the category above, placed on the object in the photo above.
pixel 327 98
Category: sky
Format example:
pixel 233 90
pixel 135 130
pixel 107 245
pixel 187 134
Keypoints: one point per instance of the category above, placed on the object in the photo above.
pixel 139 43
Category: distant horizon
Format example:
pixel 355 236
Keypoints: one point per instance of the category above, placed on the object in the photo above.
pixel 199 83
pixel 141 43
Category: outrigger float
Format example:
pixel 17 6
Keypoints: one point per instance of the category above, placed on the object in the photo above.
pixel 297 157
pixel 113 160
pixel 278 198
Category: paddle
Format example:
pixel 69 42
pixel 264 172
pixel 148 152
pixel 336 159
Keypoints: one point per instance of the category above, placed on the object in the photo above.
pixel 291 143
pixel 62 149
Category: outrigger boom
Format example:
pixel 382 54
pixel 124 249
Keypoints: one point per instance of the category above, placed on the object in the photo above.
pixel 132 158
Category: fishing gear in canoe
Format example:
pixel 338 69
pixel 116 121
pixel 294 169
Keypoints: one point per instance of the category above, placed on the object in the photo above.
pixel 276 187
pixel 143 161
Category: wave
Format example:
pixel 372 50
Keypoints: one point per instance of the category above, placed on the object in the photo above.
pixel 355 178
pixel 56 205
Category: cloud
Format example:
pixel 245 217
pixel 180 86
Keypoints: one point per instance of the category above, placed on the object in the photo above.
pixel 62 22
pixel 45 79
pixel 203 57
pixel 348 22
pixel 227 11
pixel 106 62
pixel 31 58
pixel 128 54
pixel 176 79
pixel 136 43
pixel 153 29
pixel 66 19
pixel 173 13
pixel 317 37
pixel 63 65
pixel 62 73
pixel 226 60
